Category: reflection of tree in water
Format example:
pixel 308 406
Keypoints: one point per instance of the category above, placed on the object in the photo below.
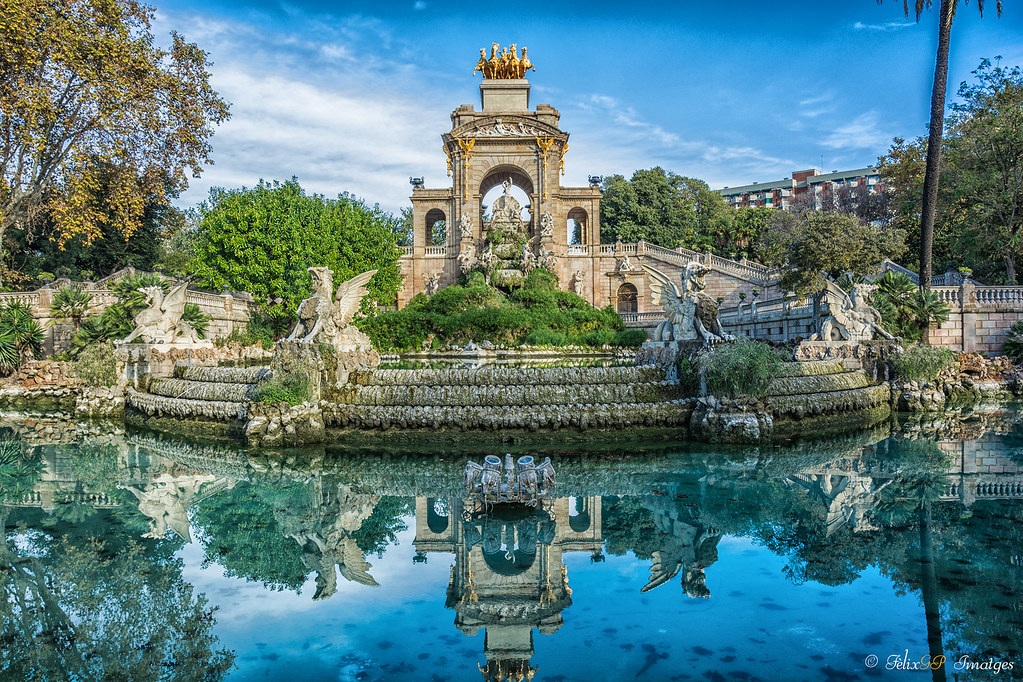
pixel 76 607
pixel 276 534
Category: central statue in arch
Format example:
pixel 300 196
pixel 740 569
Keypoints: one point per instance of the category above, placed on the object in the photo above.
pixel 503 142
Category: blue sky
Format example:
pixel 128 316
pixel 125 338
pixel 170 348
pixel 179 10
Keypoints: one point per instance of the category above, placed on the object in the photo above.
pixel 354 96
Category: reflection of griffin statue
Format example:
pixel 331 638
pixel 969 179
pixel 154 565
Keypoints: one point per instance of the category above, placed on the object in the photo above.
pixel 852 318
pixel 692 314
pixel 321 318
pixel 161 321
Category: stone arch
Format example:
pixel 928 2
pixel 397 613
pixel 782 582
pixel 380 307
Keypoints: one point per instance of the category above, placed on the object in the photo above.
pixel 579 521
pixel 434 216
pixel 627 299
pixel 436 522
pixel 498 174
pixel 579 215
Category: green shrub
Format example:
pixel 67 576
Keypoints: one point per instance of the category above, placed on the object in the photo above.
pixel 918 363
pixel 94 364
pixel 745 368
pixel 535 313
pixel 631 337
pixel 688 377
pixel 1013 346
pixel 293 387
pixel 545 337
pixel 21 337
pixel 193 315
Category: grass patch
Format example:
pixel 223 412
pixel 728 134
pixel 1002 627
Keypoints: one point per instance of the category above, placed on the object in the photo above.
pixel 744 368
pixel 922 363
pixel 95 366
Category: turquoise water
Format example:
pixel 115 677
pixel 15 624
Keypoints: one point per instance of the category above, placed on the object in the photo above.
pixel 134 557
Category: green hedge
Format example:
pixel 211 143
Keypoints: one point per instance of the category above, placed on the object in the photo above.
pixel 537 313
pixel 744 368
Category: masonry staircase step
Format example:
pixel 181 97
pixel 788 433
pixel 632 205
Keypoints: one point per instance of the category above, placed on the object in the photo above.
pixel 202 390
pixel 493 395
pixel 184 408
pixel 813 368
pixel 223 375
pixel 804 405
pixel 667 414
pixel 510 376
pixel 818 383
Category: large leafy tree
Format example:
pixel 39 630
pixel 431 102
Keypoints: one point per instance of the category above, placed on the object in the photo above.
pixel 985 158
pixel 663 208
pixel 81 81
pixel 262 240
pixel 816 245
pixel 981 198
pixel 946 14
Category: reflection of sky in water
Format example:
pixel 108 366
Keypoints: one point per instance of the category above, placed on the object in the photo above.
pixel 757 624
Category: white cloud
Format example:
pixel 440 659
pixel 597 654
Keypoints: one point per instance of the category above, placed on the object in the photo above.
pixel 863 132
pixel 885 27
pixel 419 5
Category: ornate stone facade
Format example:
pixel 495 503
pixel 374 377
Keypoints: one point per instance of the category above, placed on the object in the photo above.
pixel 507 143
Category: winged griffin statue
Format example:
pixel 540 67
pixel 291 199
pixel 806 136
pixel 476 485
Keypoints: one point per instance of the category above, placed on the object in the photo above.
pixel 692 314
pixel 323 318
pixel 851 318
pixel 161 321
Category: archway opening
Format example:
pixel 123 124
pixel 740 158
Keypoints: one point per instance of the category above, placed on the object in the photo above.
pixel 628 298
pixel 577 226
pixel 436 228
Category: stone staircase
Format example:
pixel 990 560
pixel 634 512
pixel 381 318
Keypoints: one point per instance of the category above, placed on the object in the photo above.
pixel 820 388
pixel 492 398
pixel 209 393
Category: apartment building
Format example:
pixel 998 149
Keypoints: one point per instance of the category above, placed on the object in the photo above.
pixel 824 190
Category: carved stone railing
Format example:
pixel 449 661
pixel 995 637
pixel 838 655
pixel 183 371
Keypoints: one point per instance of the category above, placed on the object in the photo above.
pixel 642 319
pixel 578 250
pixel 441 250
pixel 28 298
pixel 406 251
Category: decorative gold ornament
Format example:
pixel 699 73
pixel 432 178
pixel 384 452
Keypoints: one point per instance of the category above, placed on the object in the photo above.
pixel 466 145
pixel 544 145
pixel 561 164
pixel 448 155
pixel 503 64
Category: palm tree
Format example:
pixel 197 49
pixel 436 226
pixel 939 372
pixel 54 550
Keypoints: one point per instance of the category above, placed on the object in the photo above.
pixel 946 14
pixel 70 304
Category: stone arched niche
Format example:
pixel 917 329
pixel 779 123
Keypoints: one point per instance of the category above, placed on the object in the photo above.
pixel 578 215
pixel 628 298
pixel 433 217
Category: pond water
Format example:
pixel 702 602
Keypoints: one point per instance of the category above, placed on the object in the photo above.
pixel 136 557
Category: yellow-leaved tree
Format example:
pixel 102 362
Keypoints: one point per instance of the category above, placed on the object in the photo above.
pixel 85 91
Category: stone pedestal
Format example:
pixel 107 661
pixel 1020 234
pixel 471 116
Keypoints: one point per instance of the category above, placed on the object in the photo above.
pixel 505 95
pixel 137 363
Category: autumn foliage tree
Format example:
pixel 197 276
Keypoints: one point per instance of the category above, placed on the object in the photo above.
pixel 85 92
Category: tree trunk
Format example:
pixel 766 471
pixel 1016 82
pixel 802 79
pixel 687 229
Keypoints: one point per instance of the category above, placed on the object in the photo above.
pixel 929 592
pixel 1010 268
pixel 930 198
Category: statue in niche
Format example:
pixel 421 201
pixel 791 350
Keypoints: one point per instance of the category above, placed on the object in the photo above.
pixel 465 227
pixel 466 258
pixel 431 283
pixel 852 318
pixel 578 277
pixel 692 314
pixel 547 225
pixel 323 318
pixel 161 321
pixel 506 208
pixel 529 262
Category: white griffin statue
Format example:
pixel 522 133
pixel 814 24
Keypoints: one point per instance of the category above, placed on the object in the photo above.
pixel 161 321
pixel 691 314
pixel 323 318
